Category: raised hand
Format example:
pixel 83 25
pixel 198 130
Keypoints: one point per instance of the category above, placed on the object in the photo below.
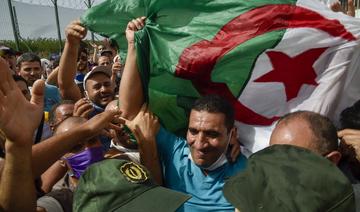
pixel 351 8
pixel 83 108
pixel 104 120
pixel 351 137
pixel 19 118
pixel 145 124
pixel 75 32
pixel 133 26
pixel 336 6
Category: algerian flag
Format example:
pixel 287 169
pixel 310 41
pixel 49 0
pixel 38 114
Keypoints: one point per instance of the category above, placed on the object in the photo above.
pixel 267 57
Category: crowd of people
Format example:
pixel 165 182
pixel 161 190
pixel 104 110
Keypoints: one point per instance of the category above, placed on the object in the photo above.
pixel 76 134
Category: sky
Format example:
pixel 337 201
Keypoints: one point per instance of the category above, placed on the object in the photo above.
pixel 73 4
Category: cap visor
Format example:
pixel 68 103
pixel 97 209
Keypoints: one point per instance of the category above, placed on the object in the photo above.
pixel 156 199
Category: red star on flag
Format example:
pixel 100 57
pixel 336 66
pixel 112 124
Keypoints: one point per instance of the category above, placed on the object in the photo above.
pixel 293 72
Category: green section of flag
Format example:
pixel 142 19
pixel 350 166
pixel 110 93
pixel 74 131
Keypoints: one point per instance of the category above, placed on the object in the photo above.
pixel 172 26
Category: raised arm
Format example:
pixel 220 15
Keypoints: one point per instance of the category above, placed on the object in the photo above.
pixel 68 62
pixel 131 94
pixel 47 152
pixel 18 121
pixel 52 79
pixel 145 127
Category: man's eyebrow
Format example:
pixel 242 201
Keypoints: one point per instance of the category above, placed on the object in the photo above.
pixel 212 132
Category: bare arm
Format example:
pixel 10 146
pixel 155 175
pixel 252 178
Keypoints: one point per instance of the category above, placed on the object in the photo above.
pixel 68 62
pixel 95 56
pixel 131 94
pixel 52 176
pixel 145 127
pixel 53 77
pixel 47 152
pixel 17 191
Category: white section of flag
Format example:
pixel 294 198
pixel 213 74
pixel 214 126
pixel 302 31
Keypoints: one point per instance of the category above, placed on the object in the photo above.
pixel 338 75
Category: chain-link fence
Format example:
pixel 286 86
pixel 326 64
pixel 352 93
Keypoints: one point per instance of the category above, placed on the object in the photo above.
pixel 32 19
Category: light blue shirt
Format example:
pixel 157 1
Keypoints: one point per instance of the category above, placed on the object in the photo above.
pixel 181 174
pixel 52 97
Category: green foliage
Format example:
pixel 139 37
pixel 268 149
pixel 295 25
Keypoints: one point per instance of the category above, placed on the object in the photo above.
pixel 42 46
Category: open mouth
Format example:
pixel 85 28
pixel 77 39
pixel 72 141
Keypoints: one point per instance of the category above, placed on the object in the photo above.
pixel 106 97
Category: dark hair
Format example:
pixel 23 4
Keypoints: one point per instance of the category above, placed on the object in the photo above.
pixel 113 44
pixel 216 104
pixel 324 130
pixel 27 57
pixel 83 48
pixel 19 78
pixel 350 117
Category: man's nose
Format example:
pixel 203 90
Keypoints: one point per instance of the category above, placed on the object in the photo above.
pixel 200 141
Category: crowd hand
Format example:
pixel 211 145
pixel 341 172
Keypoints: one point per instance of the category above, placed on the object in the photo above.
pixel 83 108
pixel 119 136
pixel 133 26
pixel 101 123
pixel 351 137
pixel 336 7
pixel 145 124
pixel 116 68
pixel 75 32
pixel 234 148
pixel 94 45
pixel 15 111
pixel 351 8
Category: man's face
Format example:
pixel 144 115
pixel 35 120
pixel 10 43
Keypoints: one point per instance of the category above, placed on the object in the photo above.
pixel 293 132
pixel 100 89
pixel 30 71
pixel 82 65
pixel 104 61
pixel 108 54
pixel 24 89
pixel 62 112
pixel 207 137
pixel 11 60
pixel 101 47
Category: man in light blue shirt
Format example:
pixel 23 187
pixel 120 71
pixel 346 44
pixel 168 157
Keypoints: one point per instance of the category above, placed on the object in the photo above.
pixel 197 165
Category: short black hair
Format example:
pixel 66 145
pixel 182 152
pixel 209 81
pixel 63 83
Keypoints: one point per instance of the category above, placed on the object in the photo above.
pixel 54 107
pixel 323 129
pixel 113 44
pixel 216 104
pixel 27 57
pixel 350 117
pixel 19 78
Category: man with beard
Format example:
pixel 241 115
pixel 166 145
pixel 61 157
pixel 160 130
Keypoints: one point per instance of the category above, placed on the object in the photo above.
pixel 98 88
pixel 97 84
pixel 29 67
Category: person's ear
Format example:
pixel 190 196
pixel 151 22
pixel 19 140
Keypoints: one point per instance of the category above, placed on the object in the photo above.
pixel 86 94
pixel 334 157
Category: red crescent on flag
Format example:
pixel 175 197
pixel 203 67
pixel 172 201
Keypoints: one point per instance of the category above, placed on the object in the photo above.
pixel 198 60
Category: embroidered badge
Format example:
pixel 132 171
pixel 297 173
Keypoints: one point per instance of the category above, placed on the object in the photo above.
pixel 133 172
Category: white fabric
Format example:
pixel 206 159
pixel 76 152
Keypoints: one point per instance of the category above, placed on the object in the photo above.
pixel 133 154
pixel 50 204
pixel 337 72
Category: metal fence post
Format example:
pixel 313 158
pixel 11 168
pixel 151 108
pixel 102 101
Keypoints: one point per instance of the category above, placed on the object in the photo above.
pixel 57 23
pixel 13 25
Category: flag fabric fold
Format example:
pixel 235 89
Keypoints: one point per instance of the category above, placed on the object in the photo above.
pixel 267 58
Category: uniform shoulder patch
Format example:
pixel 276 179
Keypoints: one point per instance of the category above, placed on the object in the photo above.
pixel 134 172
